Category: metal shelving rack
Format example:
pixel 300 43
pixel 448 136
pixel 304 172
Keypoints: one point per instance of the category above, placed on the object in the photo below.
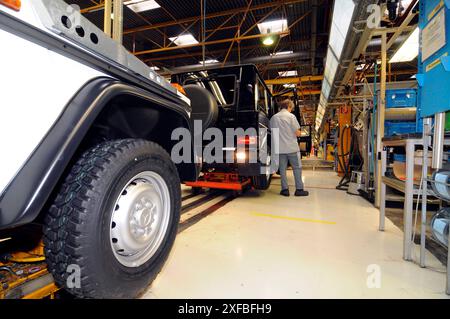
pixel 407 187
pixel 410 190
pixel 438 155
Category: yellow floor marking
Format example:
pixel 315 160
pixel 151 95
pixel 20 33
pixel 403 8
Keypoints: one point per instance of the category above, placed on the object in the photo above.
pixel 295 219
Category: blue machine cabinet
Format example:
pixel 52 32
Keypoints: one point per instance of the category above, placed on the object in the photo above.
pixel 402 98
pixel 398 98
pixel 434 57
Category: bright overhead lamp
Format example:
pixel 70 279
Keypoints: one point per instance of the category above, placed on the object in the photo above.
pixel 184 39
pixel 142 5
pixel 154 68
pixel 268 41
pixel 210 61
pixel 289 86
pixel 288 73
pixel 275 26
pixel 281 53
pixel 409 50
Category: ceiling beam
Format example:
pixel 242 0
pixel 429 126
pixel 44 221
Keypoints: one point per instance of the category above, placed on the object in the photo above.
pixel 216 52
pixel 237 34
pixel 303 93
pixel 211 15
pixel 295 80
pixel 407 18
pixel 179 47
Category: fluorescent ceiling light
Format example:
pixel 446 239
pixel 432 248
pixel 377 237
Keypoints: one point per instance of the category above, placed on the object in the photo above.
pixel 184 39
pixel 273 26
pixel 154 68
pixel 141 5
pixel 409 50
pixel 211 61
pixel 281 53
pixel 289 86
pixel 288 73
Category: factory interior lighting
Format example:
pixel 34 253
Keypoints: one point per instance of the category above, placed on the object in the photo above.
pixel 409 50
pixel 210 61
pixel 268 41
pixel 288 73
pixel 184 39
pixel 280 53
pixel 142 5
pixel 275 26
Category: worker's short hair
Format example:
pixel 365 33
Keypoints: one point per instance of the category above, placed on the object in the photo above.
pixel 285 104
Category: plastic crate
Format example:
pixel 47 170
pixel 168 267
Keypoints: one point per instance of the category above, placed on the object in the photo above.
pixel 401 98
pixel 400 158
pixel 399 128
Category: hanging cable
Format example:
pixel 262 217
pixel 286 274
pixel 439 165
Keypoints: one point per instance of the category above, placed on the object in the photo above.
pixel 203 15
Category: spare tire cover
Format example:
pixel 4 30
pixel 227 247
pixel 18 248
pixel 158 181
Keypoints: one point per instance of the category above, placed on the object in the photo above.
pixel 204 105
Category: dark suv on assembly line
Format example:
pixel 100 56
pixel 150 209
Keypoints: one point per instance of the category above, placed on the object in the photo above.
pixel 233 97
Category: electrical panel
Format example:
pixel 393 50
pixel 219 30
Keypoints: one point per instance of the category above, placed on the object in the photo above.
pixel 434 57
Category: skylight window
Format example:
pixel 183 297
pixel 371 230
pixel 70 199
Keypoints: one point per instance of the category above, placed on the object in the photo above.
pixel 288 73
pixel 273 26
pixel 184 39
pixel 142 5
pixel 409 50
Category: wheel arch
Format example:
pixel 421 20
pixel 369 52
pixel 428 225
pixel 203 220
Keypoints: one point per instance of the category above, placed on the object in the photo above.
pixel 71 132
pixel 128 114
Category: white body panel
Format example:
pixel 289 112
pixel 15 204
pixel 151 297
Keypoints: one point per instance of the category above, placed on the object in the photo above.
pixel 35 86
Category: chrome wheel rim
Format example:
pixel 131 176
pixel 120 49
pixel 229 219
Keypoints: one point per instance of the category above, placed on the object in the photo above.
pixel 140 219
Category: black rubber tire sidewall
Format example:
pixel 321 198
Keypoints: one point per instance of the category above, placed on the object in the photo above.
pixel 78 224
pixel 124 281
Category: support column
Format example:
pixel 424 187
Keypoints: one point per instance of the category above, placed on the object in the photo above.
pixel 423 229
pixel 107 17
pixel 409 197
pixel 439 136
pixel 382 221
pixel 118 21
pixel 381 116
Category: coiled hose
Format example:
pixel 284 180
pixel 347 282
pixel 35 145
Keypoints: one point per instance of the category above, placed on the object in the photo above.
pixel 346 166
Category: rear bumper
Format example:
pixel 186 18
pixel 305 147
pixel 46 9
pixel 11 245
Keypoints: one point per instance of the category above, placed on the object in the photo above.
pixel 249 170
pixel 245 170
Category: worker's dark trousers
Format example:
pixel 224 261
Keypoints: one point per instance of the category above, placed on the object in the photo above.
pixel 296 163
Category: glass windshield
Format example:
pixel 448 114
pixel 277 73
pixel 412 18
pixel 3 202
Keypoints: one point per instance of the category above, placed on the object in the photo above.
pixel 223 88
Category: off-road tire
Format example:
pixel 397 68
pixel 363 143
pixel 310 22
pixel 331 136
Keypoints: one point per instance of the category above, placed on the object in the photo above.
pixel 77 226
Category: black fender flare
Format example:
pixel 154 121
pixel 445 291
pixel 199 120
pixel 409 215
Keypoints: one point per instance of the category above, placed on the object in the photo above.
pixel 25 196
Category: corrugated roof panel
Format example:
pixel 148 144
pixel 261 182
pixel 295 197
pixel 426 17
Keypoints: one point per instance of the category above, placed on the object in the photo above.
pixel 298 41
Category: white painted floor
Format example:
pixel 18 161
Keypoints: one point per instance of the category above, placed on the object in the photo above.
pixel 263 245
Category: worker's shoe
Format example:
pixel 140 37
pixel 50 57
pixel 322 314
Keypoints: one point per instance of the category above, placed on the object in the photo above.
pixel 285 192
pixel 301 193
